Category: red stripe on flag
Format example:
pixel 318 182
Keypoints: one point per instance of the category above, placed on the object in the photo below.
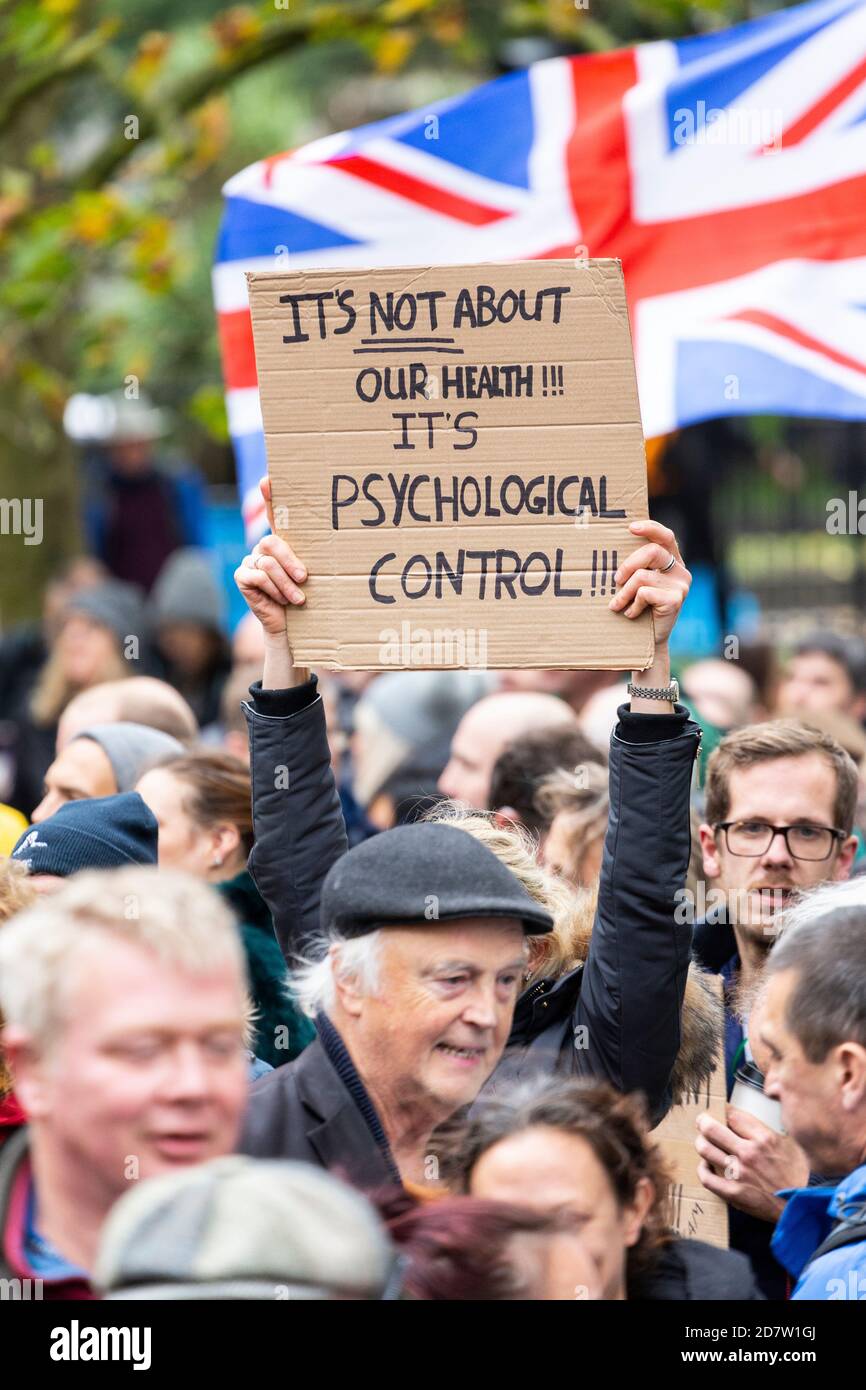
pixel 806 123
pixel 238 351
pixel 428 195
pixel 796 335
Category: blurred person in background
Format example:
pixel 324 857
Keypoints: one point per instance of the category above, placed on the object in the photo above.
pixel 125 1035
pixel 138 510
pixel 459 1249
pixel 592 1164
pixel 577 803
pixel 186 614
pixel 403 726
pixel 248 646
pixel 259 1230
pixel 102 761
pixel 525 764
pixel 598 716
pixel 100 637
pixel 136 700
pixel 203 806
pixel 574 687
pixel 485 730
pixel 721 692
pixel 825 672
pixel 230 732
pixel 25 647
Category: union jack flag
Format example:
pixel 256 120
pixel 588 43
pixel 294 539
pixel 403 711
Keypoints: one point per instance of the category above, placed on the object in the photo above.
pixel 727 172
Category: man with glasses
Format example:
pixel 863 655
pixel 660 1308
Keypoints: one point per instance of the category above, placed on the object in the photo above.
pixel 779 812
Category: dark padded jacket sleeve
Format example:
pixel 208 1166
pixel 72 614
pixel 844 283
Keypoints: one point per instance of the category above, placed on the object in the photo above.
pixel 297 820
pixel 634 979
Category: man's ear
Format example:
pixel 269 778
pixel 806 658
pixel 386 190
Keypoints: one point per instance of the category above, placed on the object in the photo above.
pixel 636 1214
pixel 710 852
pixel 349 996
pixel 505 817
pixel 28 1069
pixel 850 1061
pixel 845 858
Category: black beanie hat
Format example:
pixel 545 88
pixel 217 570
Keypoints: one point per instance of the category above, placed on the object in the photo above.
pixel 422 874
pixel 103 833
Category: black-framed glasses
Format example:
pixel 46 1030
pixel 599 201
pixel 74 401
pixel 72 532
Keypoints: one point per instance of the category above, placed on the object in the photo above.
pixel 751 838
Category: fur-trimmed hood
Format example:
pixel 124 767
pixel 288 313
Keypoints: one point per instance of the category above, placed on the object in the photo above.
pixel 703 1013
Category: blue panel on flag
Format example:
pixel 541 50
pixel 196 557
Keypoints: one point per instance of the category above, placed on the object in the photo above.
pixel 488 132
pixel 707 372
pixel 728 67
pixel 250 229
pixel 250 459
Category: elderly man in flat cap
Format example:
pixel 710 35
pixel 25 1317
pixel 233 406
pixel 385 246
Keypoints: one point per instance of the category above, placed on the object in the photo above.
pixel 415 942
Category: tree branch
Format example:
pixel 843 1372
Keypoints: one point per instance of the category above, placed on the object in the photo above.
pixel 77 56
pixel 279 37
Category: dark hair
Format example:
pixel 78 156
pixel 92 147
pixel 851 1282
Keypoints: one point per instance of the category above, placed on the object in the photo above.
pixel 847 652
pixel 764 743
pixel 219 790
pixel 614 1126
pixel 457 1248
pixel 527 761
pixel 826 946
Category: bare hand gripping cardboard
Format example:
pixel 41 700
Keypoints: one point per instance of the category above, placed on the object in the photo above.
pixel 456 453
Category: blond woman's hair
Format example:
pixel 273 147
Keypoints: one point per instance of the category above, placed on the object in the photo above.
pixel 53 690
pixel 573 913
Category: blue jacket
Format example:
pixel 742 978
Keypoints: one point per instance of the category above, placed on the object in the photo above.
pixel 805 1223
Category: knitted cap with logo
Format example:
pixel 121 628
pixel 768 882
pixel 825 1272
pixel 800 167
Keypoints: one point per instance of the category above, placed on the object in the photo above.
pixel 103 833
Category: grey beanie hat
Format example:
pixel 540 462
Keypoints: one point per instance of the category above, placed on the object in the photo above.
pixel 422 874
pixel 244 1228
pixel 186 591
pixel 132 749
pixel 115 604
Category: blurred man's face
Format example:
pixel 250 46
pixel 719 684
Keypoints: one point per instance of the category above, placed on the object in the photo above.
pixel 80 772
pixel 558 1173
pixel 781 791
pixel 150 1072
pixel 812 1107
pixel 815 683
pixel 439 1021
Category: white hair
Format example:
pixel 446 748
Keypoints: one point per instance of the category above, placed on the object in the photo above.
pixel 331 957
pixel 816 902
pixel 170 914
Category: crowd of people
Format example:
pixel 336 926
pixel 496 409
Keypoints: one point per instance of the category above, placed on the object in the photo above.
pixel 379 986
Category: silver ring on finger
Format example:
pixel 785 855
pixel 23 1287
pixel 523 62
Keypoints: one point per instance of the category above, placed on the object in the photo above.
pixel 669 566
pixel 258 561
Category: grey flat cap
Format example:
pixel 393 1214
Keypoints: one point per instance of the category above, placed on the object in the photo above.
pixel 423 874
pixel 244 1228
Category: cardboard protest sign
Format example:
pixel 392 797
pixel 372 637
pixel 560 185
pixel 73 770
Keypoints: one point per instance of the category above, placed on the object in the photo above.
pixel 696 1212
pixel 456 454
